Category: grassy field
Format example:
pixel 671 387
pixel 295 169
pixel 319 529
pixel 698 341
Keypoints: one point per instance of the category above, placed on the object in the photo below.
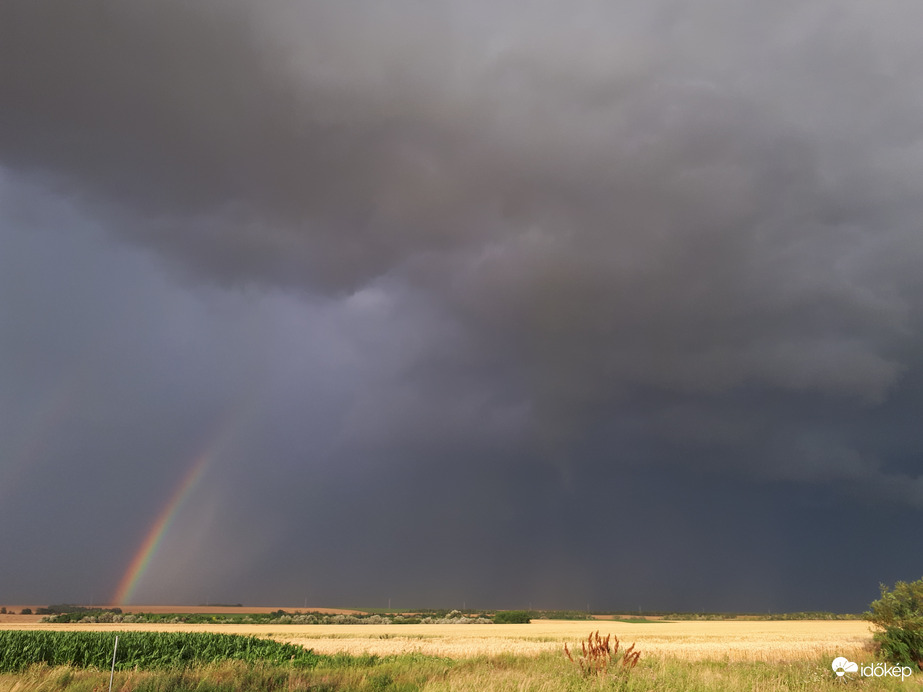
pixel 543 673
pixel 687 656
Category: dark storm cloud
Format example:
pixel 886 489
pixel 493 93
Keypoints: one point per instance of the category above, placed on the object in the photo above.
pixel 602 239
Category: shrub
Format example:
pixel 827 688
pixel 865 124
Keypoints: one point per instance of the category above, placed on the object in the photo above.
pixel 507 617
pixel 26 611
pixel 898 615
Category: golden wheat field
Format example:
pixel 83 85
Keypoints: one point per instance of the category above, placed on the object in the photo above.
pixel 715 640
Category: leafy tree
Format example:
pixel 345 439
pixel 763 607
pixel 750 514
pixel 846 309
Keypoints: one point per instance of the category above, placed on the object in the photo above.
pixel 506 617
pixel 898 615
pixel 26 611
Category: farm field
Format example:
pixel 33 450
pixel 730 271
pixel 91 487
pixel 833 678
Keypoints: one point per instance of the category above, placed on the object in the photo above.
pixel 687 640
pixel 679 656
pixel 733 641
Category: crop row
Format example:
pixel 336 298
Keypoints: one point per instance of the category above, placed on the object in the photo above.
pixel 20 649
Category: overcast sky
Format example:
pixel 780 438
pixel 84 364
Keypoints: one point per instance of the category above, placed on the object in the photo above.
pixel 486 303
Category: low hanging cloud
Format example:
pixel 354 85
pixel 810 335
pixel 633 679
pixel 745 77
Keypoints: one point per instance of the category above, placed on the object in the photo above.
pixel 584 213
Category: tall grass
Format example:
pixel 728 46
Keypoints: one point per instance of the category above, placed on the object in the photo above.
pixel 550 672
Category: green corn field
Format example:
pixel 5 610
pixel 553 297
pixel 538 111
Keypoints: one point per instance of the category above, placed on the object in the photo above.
pixel 142 650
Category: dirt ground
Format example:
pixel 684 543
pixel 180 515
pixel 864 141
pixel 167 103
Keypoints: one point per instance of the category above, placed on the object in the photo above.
pixel 15 618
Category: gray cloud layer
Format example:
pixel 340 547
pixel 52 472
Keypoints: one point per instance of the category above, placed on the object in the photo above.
pixel 590 235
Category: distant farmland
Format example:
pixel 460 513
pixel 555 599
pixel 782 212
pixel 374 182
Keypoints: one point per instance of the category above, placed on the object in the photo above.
pixel 676 656
pixel 689 640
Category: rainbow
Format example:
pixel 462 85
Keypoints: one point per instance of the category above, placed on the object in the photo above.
pixel 143 555
pixel 229 425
